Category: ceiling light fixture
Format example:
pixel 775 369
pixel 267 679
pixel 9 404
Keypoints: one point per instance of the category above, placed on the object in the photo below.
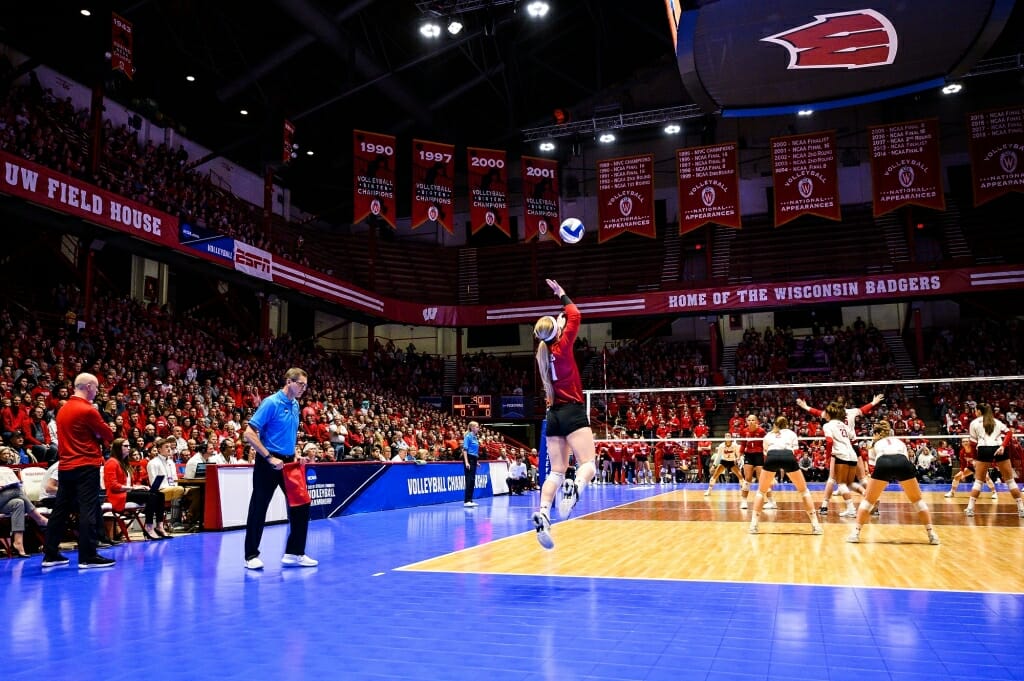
pixel 455 27
pixel 952 88
pixel 190 79
pixel 805 112
pixel 430 30
pixel 547 146
pixel 673 129
pixel 606 138
pixel 309 152
pixel 538 9
pixel 244 112
pixel 86 13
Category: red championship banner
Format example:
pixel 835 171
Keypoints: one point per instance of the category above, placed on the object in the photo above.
pixel 288 140
pixel 433 170
pixel 373 163
pixel 488 189
pixel 806 177
pixel 69 196
pixel 709 183
pixel 997 152
pixel 540 197
pixel 906 166
pixel 625 197
pixel 121 44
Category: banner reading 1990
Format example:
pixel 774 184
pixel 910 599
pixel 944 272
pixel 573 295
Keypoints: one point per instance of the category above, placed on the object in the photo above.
pixel 433 173
pixel 488 189
pixel 540 197
pixel 373 160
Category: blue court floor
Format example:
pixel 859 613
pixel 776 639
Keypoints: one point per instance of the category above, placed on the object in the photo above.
pixel 187 609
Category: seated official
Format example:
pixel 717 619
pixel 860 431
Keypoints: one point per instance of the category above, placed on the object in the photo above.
pixel 161 463
pixel 16 505
pixel 518 482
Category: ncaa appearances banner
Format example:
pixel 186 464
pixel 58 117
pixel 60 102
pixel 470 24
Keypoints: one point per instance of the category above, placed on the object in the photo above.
pixel 67 195
pixel 488 189
pixel 997 152
pixel 373 160
pixel 254 261
pixel 625 197
pixel 709 182
pixel 906 166
pixel 540 197
pixel 121 44
pixel 805 176
pixel 433 173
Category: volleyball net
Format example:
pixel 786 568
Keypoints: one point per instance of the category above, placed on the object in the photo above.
pixel 679 429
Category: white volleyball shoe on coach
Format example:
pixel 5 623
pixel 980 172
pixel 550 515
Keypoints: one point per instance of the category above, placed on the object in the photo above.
pixel 291 560
pixel 254 564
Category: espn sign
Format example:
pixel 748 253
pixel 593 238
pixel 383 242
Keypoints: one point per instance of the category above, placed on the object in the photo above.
pixel 253 261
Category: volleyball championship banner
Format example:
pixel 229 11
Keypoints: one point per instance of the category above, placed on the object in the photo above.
pixel 373 162
pixel 70 196
pixel 997 152
pixel 540 197
pixel 433 172
pixel 805 177
pixel 906 166
pixel 625 197
pixel 488 189
pixel 287 141
pixel 709 183
pixel 121 45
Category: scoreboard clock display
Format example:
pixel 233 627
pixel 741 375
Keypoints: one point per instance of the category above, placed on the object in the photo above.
pixel 472 406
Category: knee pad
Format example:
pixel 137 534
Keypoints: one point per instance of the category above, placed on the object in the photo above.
pixel 806 494
pixel 557 476
pixel 831 481
pixel 921 505
pixel 976 487
pixel 744 485
pixel 844 490
pixel 865 506
pixel 758 495
pixel 1012 485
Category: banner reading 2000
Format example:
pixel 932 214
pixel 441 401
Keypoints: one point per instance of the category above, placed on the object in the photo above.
pixel 433 170
pixel 488 189
pixel 373 158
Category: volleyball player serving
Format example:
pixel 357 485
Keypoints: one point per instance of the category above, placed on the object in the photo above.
pixel 568 426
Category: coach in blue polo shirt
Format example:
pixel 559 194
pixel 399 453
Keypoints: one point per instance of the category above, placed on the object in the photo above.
pixel 272 432
pixel 470 455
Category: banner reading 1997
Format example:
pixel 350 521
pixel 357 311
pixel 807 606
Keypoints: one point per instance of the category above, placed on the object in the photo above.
pixel 540 197
pixel 433 173
pixel 373 160
pixel 488 189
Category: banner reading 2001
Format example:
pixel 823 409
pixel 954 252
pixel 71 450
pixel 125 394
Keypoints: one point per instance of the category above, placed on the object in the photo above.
pixel 433 172
pixel 373 158
pixel 488 189
pixel 540 197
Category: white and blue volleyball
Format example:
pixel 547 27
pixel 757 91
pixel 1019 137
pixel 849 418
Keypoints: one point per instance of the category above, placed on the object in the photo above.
pixel 571 230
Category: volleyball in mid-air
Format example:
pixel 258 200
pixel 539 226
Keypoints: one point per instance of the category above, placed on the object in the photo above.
pixel 571 230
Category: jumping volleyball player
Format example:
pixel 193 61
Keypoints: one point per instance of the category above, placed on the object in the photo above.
pixel 568 427
pixel 851 421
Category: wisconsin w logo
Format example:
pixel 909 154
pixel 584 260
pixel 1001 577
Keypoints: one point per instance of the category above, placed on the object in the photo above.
pixel 429 314
pixel 841 40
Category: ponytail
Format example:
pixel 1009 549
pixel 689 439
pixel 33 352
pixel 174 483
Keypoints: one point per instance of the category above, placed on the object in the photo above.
pixel 988 420
pixel 544 366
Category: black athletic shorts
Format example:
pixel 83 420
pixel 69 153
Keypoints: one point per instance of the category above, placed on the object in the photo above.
pixel 987 454
pixel 566 419
pixel 893 467
pixel 753 459
pixel 780 460
pixel 844 462
pixel 729 465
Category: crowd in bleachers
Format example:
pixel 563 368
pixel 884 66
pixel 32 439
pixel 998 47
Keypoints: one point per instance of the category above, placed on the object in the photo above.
pixel 36 125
